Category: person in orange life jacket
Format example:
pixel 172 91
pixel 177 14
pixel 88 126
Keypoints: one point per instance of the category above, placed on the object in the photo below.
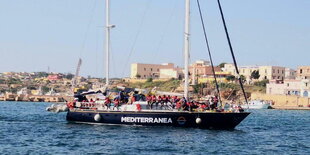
pixel 107 102
pixel 164 101
pixel 189 105
pixel 176 100
pixel 159 100
pixel 153 100
pixel 178 105
pixel 133 99
pixel 203 106
pixel 116 103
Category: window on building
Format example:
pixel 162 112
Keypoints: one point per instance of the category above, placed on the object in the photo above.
pixel 273 71
pixel 265 71
pixel 157 70
pixel 265 78
pixel 144 69
pixel 278 71
pixel 288 84
pixel 151 69
pixel 300 71
pixel 306 84
pixel 282 71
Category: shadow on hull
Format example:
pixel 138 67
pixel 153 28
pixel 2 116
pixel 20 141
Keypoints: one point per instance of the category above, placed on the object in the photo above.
pixel 212 120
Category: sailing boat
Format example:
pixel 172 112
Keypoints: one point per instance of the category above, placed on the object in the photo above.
pixel 138 113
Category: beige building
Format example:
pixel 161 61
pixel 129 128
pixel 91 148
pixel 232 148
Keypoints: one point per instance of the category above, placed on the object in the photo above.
pixel 202 68
pixel 290 73
pixel 230 68
pixel 139 70
pixel 246 71
pixel 176 73
pixel 303 72
pixel 271 73
pixel 265 72
pixel 289 87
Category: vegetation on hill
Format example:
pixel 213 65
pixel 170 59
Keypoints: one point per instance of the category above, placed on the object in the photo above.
pixel 169 85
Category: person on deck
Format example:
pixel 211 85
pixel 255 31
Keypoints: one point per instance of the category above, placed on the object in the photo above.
pixel 153 100
pixel 215 101
pixel 116 103
pixel 149 101
pixel 159 100
pixel 164 101
pixel 107 102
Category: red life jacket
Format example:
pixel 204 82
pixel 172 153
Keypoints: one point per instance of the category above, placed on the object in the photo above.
pixel 153 98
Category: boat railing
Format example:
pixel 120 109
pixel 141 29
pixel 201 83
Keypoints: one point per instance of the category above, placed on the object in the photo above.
pixel 101 106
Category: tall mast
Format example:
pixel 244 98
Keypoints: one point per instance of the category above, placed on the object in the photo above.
pixel 107 40
pixel 186 46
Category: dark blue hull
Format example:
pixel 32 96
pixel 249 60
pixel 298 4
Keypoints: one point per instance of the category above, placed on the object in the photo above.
pixel 210 120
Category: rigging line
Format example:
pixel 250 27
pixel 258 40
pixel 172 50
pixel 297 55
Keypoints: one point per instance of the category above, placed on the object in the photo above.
pixel 165 29
pixel 88 27
pixel 231 51
pixel 209 52
pixel 137 35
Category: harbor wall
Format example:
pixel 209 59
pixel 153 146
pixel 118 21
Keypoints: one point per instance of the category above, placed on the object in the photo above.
pixel 284 101
pixel 33 98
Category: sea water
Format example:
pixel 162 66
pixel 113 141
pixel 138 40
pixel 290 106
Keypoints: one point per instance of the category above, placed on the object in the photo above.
pixel 26 128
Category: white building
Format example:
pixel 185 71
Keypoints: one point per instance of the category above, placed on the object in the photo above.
pixel 289 87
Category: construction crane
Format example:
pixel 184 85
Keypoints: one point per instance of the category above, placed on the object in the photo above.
pixel 75 79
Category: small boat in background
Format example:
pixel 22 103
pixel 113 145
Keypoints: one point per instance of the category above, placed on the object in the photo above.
pixel 257 104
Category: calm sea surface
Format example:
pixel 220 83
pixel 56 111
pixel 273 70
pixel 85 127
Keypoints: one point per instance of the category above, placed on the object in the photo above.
pixel 26 128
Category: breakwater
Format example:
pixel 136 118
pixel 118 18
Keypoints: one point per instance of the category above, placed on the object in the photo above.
pixel 34 98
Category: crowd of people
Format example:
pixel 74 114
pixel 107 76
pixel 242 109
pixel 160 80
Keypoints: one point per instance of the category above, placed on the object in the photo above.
pixel 180 103
pixel 157 102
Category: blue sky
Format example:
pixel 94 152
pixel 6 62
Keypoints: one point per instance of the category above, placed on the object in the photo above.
pixel 35 34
